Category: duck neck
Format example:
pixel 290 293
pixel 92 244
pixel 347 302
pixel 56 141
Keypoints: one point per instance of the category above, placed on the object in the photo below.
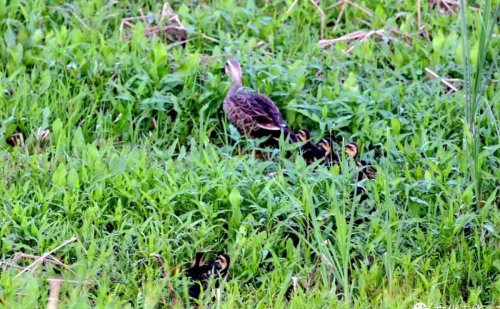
pixel 236 85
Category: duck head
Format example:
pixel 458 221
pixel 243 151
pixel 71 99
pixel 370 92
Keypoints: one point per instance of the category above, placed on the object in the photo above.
pixel 233 69
pixel 199 260
pixel 304 135
pixel 327 144
pixel 352 149
pixel 224 260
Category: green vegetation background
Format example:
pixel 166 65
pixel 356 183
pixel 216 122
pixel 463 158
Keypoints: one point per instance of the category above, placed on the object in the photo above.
pixel 141 159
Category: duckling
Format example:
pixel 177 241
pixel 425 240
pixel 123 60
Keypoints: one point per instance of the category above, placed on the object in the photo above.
pixel 310 152
pixel 253 114
pixel 331 157
pixel 196 273
pixel 224 261
pixel 201 272
pixel 195 270
pixel 352 149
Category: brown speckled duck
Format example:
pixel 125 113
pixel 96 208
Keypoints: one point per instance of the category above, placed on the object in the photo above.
pixel 253 114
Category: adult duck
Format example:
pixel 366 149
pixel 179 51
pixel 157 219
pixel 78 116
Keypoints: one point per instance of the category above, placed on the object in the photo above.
pixel 253 114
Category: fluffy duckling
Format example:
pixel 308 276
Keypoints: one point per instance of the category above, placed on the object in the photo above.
pixel 253 114
pixel 195 270
pixel 201 271
pixel 352 149
pixel 331 157
pixel 310 152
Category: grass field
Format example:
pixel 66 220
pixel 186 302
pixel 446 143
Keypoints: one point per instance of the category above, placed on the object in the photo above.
pixel 127 148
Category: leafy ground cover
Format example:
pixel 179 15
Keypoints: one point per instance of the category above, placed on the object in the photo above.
pixel 126 148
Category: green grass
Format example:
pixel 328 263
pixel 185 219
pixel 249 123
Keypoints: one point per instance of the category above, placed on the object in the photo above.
pixel 127 188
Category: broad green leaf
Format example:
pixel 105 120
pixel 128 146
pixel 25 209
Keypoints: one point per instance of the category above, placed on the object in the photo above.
pixel 59 176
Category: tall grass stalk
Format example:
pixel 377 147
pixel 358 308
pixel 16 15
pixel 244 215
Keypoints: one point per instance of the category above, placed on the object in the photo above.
pixel 475 85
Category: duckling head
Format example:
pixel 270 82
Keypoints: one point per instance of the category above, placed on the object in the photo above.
pixel 233 69
pixel 199 259
pixel 224 261
pixel 352 149
pixel 327 144
pixel 304 135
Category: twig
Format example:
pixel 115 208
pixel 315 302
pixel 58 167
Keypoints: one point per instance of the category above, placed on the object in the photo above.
pixel 418 15
pixel 330 268
pixel 55 289
pixel 49 259
pixel 143 17
pixel 72 12
pixel 209 38
pixel 313 272
pixel 364 21
pixel 83 248
pixel 434 75
pixel 339 17
pixel 41 135
pixel 57 262
pixel 79 19
pixel 164 11
pixel 334 5
pixel 260 43
pixel 70 281
pixel 12 265
pixel 291 6
pixel 363 34
pixel 322 14
pixel 359 7
pixel 448 7
pixel 13 140
pixel 165 274
pixel 44 256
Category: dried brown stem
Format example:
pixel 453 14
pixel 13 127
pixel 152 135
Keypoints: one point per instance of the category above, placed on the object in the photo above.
pixel 358 35
pixel 70 281
pixel 72 12
pixel 313 272
pixel 364 22
pixel 143 17
pixel 81 245
pixel 159 259
pixel 12 265
pixel 418 15
pixel 13 139
pixel 79 19
pixel 49 259
pixel 55 289
pixel 340 16
pixel 209 38
pixel 330 268
pixel 291 6
pixel 45 255
pixel 444 81
pixel 322 14
pixel 335 5
pixel 359 8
